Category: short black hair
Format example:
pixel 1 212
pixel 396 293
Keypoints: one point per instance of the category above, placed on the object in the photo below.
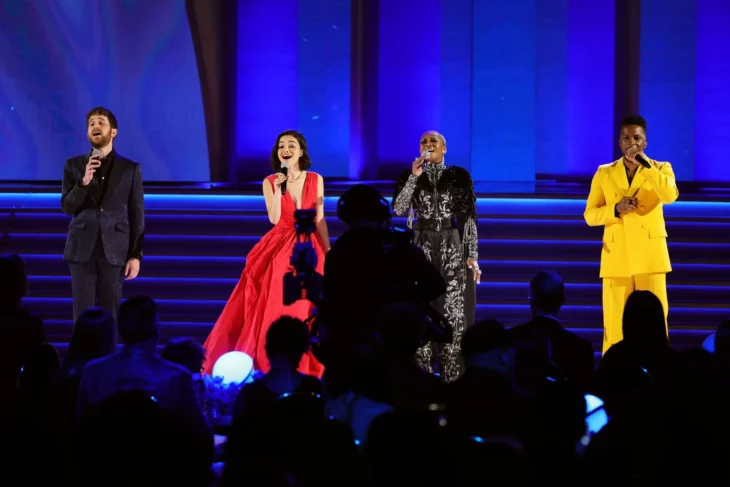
pixel 362 203
pixel 137 320
pixel 484 336
pixel 105 112
pixel 547 291
pixel 287 337
pixel 304 162
pixel 634 120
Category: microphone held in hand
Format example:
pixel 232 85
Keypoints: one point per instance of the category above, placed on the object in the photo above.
pixel 425 155
pixel 96 154
pixel 642 161
pixel 285 172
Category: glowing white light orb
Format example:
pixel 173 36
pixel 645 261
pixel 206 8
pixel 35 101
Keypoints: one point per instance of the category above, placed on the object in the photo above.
pixel 233 367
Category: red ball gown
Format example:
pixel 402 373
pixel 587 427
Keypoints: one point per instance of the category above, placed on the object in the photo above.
pixel 257 300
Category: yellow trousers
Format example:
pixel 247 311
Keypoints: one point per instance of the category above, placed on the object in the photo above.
pixel 616 291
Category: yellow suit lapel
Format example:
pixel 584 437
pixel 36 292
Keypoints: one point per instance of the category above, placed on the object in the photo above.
pixel 622 181
pixel 637 182
pixel 618 173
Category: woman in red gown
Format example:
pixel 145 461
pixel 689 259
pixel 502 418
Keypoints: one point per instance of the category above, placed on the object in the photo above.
pixel 257 299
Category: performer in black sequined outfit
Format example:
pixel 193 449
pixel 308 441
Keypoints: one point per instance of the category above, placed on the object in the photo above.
pixel 441 207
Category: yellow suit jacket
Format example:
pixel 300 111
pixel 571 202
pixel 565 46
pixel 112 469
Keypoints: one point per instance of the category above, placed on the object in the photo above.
pixel 635 243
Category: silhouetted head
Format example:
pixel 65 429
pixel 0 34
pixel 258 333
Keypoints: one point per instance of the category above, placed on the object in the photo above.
pixel 486 345
pixel 13 280
pixel 363 205
pixel 94 336
pixel 186 352
pixel 643 320
pixel 547 293
pixel 138 322
pixel 287 338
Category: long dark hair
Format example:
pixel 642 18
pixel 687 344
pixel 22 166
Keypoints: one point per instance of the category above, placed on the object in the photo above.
pixel 643 320
pixel 304 162
pixel 94 336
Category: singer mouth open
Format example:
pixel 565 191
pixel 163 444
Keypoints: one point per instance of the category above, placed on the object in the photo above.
pixel 441 208
pixel 626 198
pixel 258 298
pixel 103 191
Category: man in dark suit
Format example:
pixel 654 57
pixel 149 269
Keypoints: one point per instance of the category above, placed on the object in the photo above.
pixel 103 191
pixel 572 354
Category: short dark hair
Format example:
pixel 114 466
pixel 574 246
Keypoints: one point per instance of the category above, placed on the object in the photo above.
pixel 304 162
pixel 287 337
pixel 547 291
pixel 105 112
pixel 484 336
pixel 13 278
pixel 138 320
pixel 634 120
pixel 186 352
pixel 362 203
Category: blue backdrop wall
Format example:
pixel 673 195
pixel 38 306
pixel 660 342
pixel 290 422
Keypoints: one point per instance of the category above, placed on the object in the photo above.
pixel 59 58
pixel 520 89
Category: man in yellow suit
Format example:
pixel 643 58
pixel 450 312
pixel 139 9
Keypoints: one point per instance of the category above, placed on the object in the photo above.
pixel 626 197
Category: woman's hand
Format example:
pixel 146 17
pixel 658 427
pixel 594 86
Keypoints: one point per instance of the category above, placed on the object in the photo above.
pixel 418 162
pixel 473 264
pixel 280 178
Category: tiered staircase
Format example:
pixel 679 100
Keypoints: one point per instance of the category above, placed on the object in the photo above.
pixel 196 245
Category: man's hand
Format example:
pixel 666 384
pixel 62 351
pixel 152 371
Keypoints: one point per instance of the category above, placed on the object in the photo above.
pixel 626 205
pixel 91 168
pixel 131 270
pixel 631 154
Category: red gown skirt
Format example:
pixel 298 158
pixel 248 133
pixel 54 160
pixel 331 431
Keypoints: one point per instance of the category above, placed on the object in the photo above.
pixel 257 300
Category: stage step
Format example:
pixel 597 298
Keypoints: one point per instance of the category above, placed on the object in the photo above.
pixel 493 248
pixel 196 246
pixel 488 291
pixel 181 266
pixel 528 227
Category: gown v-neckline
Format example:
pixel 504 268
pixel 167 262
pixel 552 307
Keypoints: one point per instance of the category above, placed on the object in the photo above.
pixel 301 196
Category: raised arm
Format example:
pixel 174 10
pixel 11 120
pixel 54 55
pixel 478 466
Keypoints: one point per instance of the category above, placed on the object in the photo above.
pixel 272 197
pixel 73 193
pixel 322 231
pixel 405 186
pixel 597 213
pixel 661 176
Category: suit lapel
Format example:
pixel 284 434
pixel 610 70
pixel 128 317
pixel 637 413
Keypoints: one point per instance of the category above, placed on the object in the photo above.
pixel 116 173
pixel 84 162
pixel 637 181
pixel 619 176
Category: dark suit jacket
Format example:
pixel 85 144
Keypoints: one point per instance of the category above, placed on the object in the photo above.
pixel 119 216
pixel 571 353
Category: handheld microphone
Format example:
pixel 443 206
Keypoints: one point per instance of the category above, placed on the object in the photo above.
pixel 285 172
pixel 96 153
pixel 426 155
pixel 642 161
